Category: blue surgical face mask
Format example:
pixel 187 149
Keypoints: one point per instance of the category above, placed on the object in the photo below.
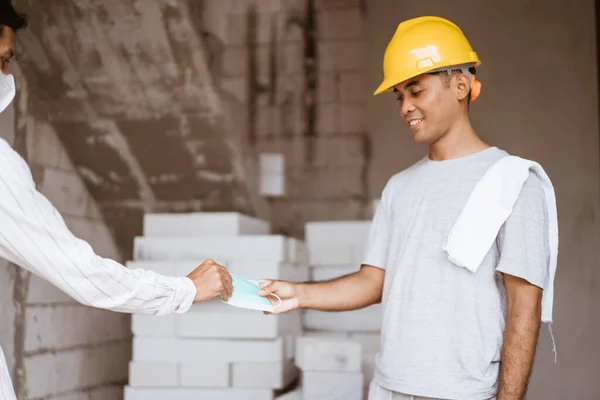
pixel 245 295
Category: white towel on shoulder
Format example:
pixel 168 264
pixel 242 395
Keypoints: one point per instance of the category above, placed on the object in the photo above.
pixel 489 206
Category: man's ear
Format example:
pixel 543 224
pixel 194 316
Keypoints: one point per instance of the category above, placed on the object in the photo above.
pixel 463 86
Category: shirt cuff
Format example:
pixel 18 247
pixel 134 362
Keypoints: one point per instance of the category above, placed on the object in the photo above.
pixel 185 293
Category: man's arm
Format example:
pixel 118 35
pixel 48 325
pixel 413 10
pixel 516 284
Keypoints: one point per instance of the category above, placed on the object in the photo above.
pixel 520 337
pixel 34 236
pixel 350 292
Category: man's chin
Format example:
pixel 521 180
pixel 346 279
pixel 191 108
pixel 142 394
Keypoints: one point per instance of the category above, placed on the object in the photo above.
pixel 420 138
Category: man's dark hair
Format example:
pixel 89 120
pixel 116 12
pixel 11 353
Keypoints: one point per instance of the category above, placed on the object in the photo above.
pixel 10 17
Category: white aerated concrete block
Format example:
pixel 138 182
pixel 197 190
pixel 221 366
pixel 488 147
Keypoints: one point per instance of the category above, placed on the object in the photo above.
pixel 204 224
pixel 314 354
pixel 368 366
pixel 249 269
pixel 272 185
pixel 205 374
pixel 333 272
pixel 352 232
pixel 197 394
pixel 370 342
pixel 271 163
pixel 151 349
pixel 363 320
pixel 374 206
pixel 263 375
pixel 153 374
pixel 258 248
pixel 293 395
pixel 153 325
pixel 244 324
pixel 328 335
pixel 328 254
pixel 332 385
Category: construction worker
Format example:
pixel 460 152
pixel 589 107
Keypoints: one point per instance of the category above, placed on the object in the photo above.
pixel 34 236
pixel 447 332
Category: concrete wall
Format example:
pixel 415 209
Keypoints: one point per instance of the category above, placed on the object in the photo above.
pixel 538 101
pixel 294 68
pixel 57 348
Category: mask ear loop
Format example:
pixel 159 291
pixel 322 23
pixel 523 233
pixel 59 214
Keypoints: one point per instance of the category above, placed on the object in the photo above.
pixel 272 294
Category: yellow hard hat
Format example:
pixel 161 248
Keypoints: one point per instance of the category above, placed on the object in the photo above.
pixel 422 45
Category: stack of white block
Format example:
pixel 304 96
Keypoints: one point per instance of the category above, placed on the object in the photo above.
pixel 215 351
pixel 336 248
pixel 331 369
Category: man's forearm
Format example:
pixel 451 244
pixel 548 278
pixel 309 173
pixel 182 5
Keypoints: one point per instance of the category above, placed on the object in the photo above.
pixel 350 292
pixel 520 339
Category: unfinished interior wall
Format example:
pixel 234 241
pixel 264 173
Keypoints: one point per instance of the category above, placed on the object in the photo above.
pixel 538 101
pixel 294 69
pixel 128 90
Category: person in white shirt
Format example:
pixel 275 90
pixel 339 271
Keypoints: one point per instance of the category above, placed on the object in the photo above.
pixel 34 236
pixel 447 332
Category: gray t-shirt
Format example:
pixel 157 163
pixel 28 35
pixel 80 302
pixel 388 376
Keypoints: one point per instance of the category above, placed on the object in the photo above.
pixel 443 325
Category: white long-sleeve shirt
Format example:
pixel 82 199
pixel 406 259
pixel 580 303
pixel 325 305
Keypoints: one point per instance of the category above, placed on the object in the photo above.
pixel 34 236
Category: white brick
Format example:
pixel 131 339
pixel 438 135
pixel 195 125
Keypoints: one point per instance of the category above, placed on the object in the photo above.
pixel 47 149
pixel 327 273
pixel 153 325
pixel 272 185
pixel 41 291
pixel 258 248
pixel 250 269
pixel 368 366
pixel 370 342
pixel 236 324
pixel 197 350
pixel 114 392
pixel 197 394
pixel 299 250
pixel 62 326
pixel 153 374
pixel 354 232
pixel 263 375
pixel 66 191
pixel 326 335
pixel 63 371
pixel 363 320
pixel 314 354
pixel 203 224
pixel 205 374
pixel 331 254
pixel 332 385
pixel 272 163
pixel 375 205
pixel 293 395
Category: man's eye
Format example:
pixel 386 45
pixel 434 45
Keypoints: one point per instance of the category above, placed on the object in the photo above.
pixel 416 93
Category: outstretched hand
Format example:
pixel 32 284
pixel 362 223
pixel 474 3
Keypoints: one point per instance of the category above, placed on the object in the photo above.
pixel 211 279
pixel 287 292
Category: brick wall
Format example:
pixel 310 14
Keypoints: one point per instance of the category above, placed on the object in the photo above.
pixel 295 66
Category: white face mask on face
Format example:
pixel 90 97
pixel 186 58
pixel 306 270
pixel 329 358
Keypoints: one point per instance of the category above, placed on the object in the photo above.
pixel 7 90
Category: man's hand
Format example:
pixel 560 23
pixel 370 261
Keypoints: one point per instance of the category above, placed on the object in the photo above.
pixel 350 292
pixel 211 279
pixel 287 291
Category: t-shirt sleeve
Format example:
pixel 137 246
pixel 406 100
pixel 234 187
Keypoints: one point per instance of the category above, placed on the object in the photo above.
pixel 377 245
pixel 523 239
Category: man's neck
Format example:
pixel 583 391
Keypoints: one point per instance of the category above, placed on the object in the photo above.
pixel 460 141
